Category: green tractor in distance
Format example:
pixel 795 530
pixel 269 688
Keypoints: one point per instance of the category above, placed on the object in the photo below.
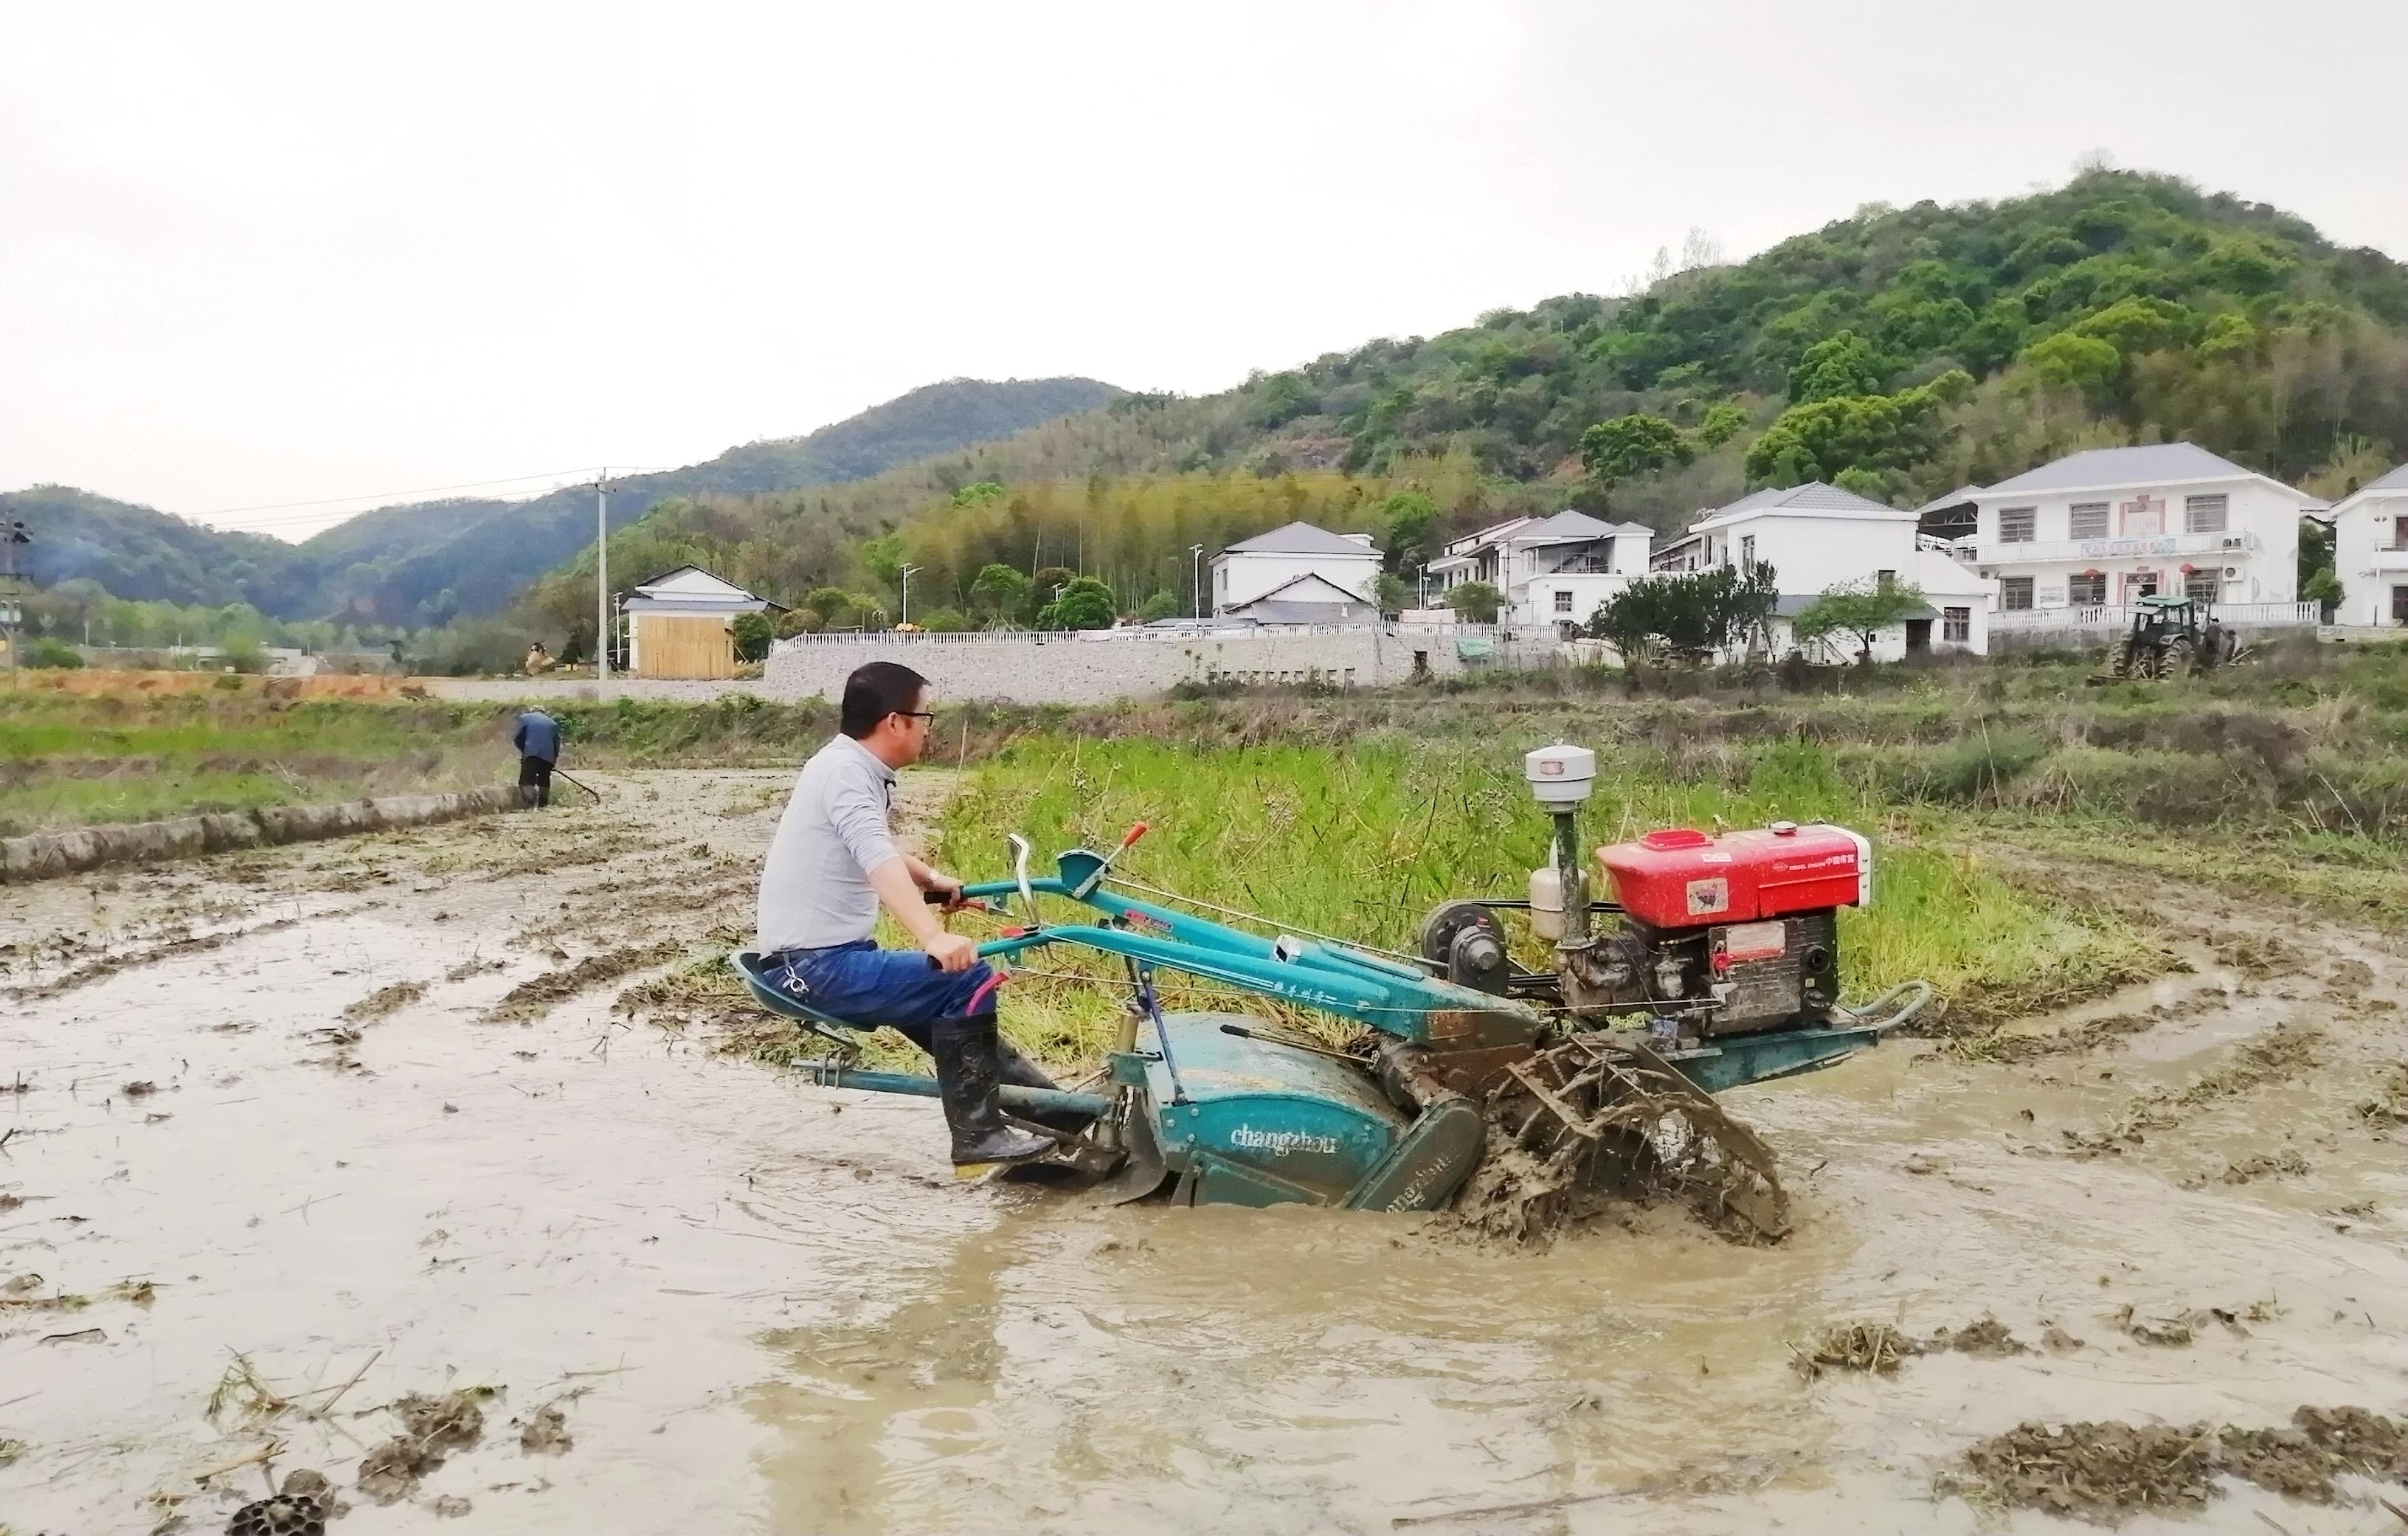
pixel 2169 635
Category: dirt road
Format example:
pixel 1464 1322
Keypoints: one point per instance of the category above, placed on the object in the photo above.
pixel 310 1131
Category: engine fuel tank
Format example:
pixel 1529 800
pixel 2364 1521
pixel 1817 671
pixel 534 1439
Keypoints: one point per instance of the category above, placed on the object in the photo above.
pixel 1680 877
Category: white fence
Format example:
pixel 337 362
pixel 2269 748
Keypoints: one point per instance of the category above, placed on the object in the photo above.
pixel 2119 615
pixel 1187 634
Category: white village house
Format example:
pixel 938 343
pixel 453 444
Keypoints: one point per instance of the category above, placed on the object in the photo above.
pixel 1298 574
pixel 1550 571
pixel 2075 541
pixel 2371 551
pixel 679 624
pixel 1816 537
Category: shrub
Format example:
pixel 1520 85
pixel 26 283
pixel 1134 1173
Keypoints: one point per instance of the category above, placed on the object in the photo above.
pixel 50 653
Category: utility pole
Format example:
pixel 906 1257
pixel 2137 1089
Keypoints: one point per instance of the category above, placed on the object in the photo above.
pixel 908 572
pixel 12 610
pixel 1196 575
pixel 601 580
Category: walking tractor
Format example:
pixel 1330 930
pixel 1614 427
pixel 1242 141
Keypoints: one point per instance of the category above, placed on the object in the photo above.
pixel 1522 1098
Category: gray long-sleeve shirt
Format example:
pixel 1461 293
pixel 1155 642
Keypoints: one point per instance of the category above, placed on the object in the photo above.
pixel 815 886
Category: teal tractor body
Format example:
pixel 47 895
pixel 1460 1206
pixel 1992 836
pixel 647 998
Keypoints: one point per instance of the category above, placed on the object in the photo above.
pixel 1230 1108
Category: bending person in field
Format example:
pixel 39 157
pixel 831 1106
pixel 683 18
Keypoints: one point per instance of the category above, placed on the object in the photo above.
pixel 834 863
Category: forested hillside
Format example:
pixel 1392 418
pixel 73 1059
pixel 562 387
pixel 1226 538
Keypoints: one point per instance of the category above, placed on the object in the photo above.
pixel 1901 352
pixel 429 561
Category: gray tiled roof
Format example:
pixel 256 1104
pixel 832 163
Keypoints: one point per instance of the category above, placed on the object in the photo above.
pixel 2150 463
pixel 2395 480
pixel 1956 497
pixel 1571 525
pixel 1813 496
pixel 1298 538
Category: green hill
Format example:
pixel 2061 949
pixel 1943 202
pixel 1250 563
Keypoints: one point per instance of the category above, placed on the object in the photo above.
pixel 1902 350
pixel 427 562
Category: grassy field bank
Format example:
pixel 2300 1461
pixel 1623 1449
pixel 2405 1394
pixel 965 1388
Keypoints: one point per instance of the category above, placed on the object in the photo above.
pixel 1362 841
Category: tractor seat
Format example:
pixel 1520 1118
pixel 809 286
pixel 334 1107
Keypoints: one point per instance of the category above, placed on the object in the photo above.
pixel 753 966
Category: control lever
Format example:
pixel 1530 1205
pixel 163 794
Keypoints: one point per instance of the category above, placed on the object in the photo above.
pixel 1096 877
pixel 1020 852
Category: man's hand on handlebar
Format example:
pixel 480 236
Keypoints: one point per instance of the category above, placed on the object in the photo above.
pixel 952 952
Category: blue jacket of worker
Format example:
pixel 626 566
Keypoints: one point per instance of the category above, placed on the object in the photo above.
pixel 537 736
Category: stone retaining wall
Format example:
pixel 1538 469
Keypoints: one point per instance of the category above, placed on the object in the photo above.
pixel 45 854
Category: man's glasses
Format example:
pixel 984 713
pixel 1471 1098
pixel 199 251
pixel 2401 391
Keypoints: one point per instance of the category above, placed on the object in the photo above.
pixel 928 715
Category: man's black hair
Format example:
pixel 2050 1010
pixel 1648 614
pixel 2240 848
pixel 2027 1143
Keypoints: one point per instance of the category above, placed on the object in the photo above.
pixel 875 691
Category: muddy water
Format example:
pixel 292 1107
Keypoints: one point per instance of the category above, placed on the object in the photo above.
pixel 765 1307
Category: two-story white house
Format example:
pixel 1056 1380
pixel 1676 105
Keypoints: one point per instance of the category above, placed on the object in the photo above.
pixel 1816 537
pixel 2371 551
pixel 1550 571
pixel 2090 532
pixel 1299 564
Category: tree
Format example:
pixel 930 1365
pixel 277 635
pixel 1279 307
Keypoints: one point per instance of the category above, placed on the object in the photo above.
pixel 752 632
pixel 1861 610
pixel 1086 603
pixel 797 621
pixel 1409 515
pixel 1839 366
pixel 978 495
pixel 1691 616
pixel 1475 602
pixel 1389 592
pixel 1819 440
pixel 2077 363
pixel 2324 589
pixel 1629 446
pixel 1162 605
pixel 836 607
pixel 999 591
pixel 1724 421
pixel 943 621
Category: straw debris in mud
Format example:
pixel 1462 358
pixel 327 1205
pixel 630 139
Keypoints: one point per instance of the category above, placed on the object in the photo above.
pixel 1985 1336
pixel 2099 1472
pixel 432 1426
pixel 2107 1472
pixel 1875 1348
pixel 383 1001
pixel 539 994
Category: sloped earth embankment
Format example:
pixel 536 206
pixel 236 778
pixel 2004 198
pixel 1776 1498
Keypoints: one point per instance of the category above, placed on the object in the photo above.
pixel 302 1145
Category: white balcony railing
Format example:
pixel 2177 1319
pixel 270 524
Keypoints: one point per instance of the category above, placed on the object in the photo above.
pixel 2119 615
pixel 2136 546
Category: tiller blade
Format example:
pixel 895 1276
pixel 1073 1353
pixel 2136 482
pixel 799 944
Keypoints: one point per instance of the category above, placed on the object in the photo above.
pixel 1598 1116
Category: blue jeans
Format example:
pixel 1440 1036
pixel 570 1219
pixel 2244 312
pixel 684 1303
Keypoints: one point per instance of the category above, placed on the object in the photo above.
pixel 868 986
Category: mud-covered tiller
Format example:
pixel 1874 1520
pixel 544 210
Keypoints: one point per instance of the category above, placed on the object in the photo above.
pixel 1521 1096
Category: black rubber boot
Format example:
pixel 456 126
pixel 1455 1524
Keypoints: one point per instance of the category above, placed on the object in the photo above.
pixel 1015 1070
pixel 965 1052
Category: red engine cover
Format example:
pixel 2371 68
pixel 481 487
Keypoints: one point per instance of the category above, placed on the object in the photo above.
pixel 1683 879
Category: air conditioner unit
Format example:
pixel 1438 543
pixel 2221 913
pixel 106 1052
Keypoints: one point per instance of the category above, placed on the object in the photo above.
pixel 2234 544
pixel 1987 574
pixel 2230 572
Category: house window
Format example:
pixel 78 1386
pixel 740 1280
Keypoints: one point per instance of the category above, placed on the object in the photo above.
pixel 2085 591
pixel 2016 524
pixel 2202 586
pixel 2015 593
pixel 2399 534
pixel 2203 515
pixel 1956 623
pixel 2087 520
pixel 1563 602
pixel 1747 552
pixel 1885 579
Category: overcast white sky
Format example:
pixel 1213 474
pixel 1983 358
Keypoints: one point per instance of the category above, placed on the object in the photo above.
pixel 259 254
